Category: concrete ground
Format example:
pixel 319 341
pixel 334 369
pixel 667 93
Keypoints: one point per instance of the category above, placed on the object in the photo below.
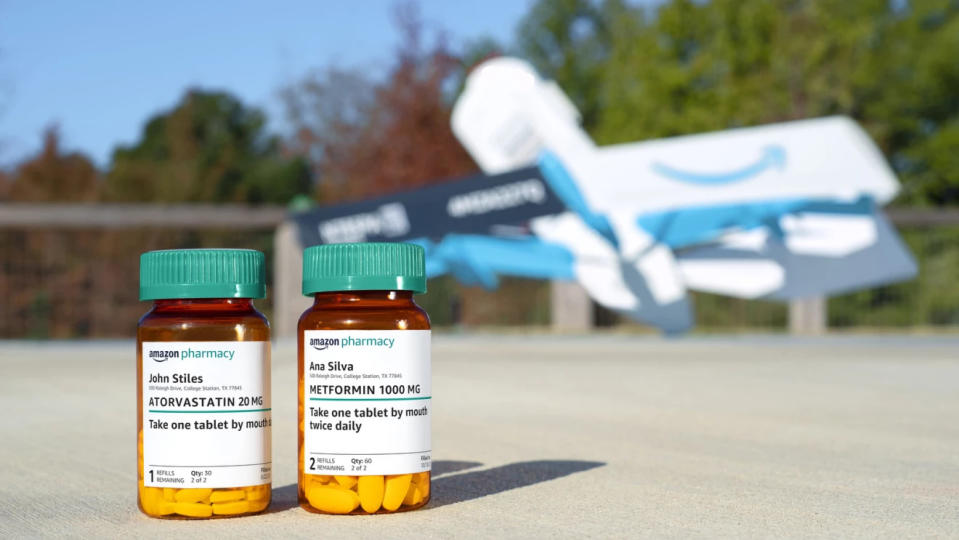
pixel 550 436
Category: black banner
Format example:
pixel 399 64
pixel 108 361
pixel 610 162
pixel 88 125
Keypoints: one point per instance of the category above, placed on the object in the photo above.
pixel 472 205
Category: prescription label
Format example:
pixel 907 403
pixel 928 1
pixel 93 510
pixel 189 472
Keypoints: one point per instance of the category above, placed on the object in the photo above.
pixel 366 402
pixel 206 414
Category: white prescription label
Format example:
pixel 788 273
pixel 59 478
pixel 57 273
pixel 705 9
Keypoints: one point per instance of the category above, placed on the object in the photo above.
pixel 206 414
pixel 367 401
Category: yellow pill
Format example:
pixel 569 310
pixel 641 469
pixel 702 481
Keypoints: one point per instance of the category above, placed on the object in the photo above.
pixel 346 481
pixel 334 500
pixel 193 509
pixel 192 495
pixel 256 506
pixel 168 494
pixel 227 496
pixel 147 496
pixel 413 496
pixel 165 508
pixel 422 481
pixel 234 507
pixel 256 493
pixel 321 478
pixel 152 501
pixel 396 487
pixel 371 492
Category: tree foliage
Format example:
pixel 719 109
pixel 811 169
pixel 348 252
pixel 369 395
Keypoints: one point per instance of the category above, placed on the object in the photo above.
pixel 209 148
pixel 365 138
pixel 569 41
pixel 52 176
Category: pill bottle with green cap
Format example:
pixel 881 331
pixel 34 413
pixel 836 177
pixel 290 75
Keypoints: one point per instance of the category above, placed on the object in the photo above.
pixel 364 380
pixel 203 385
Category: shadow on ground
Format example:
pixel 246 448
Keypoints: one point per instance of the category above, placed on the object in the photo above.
pixel 441 468
pixel 284 498
pixel 473 485
pixel 449 488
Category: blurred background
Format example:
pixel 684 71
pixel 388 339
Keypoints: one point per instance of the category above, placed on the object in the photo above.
pixel 224 117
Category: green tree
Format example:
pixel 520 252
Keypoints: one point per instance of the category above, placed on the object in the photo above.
pixel 913 106
pixel 209 148
pixel 569 41
pixel 708 66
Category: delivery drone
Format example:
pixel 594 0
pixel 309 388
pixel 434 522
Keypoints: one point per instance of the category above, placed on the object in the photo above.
pixel 781 211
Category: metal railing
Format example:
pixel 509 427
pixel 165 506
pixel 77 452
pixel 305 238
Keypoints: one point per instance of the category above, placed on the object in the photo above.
pixel 70 270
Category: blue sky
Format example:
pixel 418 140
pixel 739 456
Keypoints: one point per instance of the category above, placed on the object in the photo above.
pixel 100 68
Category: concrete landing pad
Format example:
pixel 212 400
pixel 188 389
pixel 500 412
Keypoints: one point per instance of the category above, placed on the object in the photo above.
pixel 549 436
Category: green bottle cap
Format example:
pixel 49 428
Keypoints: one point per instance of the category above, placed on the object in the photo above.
pixel 383 266
pixel 202 273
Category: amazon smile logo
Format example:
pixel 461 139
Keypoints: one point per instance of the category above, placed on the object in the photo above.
pixel 163 356
pixel 772 157
pixel 321 344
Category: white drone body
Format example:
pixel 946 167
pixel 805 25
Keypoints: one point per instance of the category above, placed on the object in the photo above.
pixel 778 211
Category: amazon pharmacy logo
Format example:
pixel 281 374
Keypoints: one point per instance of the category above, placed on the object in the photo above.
pixel 321 344
pixel 190 353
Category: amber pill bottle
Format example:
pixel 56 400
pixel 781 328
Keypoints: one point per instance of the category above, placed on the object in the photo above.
pixel 364 380
pixel 203 385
